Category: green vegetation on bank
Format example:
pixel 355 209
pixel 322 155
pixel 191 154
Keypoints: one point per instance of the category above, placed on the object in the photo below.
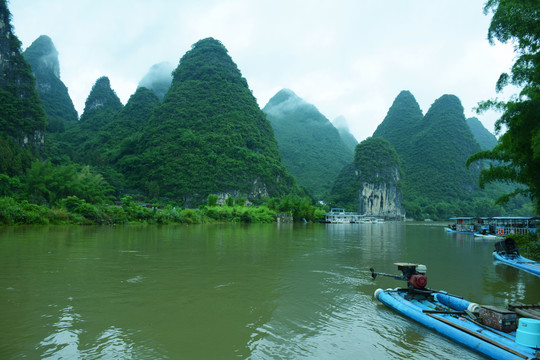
pixel 205 137
pixel 73 210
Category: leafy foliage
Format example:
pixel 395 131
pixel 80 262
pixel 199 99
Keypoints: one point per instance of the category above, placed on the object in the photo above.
pixel 312 148
pixel 346 189
pixel 46 183
pixel 518 149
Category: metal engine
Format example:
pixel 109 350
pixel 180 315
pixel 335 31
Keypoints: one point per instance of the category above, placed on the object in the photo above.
pixel 414 274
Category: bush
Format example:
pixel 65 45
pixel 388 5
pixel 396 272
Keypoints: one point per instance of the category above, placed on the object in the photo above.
pixel 113 215
pixel 212 200
pixel 529 245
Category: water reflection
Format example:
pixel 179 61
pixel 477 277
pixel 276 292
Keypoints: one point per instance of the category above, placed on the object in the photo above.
pixel 63 342
pixel 232 291
pixel 71 339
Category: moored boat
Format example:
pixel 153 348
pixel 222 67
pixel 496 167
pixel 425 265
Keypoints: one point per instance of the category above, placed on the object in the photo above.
pixel 462 225
pixel 486 329
pixel 507 252
pixel 526 310
pixel 493 227
pixel 487 236
pixel 455 318
pixel 340 216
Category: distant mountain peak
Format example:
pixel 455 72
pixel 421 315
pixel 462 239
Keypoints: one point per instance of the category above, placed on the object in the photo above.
pixel 43 56
pixel 312 147
pixel 210 135
pixel 341 123
pixel 285 102
pixel 158 78
pixel 483 136
pixel 43 59
pixel 101 95
pixel 404 114
pixel 282 96
pixel 208 60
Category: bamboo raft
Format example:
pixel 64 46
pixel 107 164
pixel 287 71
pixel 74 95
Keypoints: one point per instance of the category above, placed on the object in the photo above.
pixel 525 310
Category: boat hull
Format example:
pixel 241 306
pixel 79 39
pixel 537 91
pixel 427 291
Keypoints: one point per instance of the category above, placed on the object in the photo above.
pixel 519 262
pixel 460 328
pixel 488 236
pixel 451 231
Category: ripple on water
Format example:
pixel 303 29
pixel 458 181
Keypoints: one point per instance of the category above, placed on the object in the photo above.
pixel 65 342
pixel 136 279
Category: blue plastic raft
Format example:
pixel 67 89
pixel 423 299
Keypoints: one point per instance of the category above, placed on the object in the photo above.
pixel 450 316
pixel 519 262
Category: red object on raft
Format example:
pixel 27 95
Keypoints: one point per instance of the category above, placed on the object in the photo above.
pixel 419 281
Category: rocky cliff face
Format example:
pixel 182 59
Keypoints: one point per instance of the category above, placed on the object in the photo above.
pixel 382 199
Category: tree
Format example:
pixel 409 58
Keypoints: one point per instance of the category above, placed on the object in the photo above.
pixel 517 153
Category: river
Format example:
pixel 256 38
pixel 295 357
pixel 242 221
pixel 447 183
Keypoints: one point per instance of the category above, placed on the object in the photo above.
pixel 278 291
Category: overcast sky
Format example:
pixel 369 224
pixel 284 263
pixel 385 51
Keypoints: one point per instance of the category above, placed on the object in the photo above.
pixel 349 58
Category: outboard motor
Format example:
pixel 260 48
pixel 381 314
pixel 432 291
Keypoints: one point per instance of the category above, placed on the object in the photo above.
pixel 414 274
pixel 507 246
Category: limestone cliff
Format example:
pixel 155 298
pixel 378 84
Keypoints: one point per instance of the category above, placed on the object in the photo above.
pixel 378 172
pixel 371 184
pixel 381 199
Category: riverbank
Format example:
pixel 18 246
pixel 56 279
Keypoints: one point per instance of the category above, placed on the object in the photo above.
pixel 73 210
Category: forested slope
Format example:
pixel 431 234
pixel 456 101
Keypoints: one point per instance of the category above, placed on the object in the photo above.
pixel 312 148
pixel 209 135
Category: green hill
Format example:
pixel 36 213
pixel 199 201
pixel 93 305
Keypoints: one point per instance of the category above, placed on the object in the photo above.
pixel 22 118
pixel 121 138
pixel 483 137
pixel 436 161
pixel 43 58
pixel 401 122
pixel 312 148
pixel 209 135
pixel 83 139
pixel 433 150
